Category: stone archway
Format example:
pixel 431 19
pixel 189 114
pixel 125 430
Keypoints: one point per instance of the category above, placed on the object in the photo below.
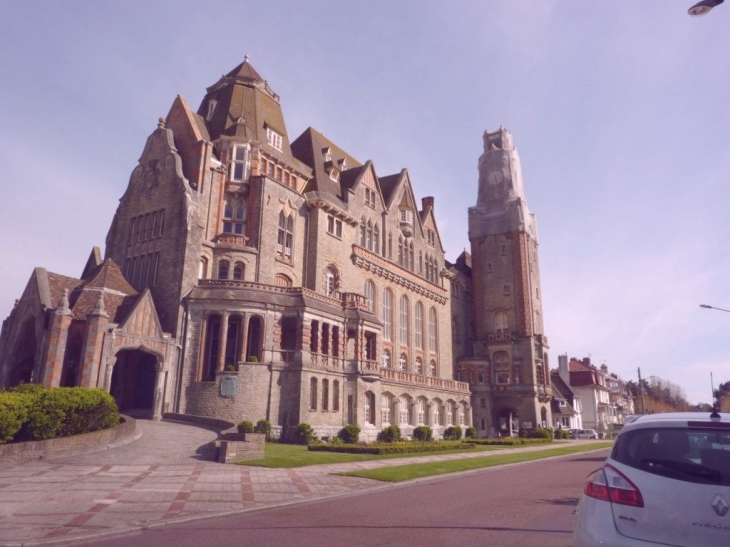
pixel 133 382
pixel 507 421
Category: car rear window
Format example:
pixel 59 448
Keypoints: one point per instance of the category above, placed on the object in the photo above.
pixel 692 455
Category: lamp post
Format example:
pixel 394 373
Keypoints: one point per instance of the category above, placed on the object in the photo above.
pixel 708 307
pixel 703 7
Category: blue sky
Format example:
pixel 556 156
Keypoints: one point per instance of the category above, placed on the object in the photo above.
pixel 619 110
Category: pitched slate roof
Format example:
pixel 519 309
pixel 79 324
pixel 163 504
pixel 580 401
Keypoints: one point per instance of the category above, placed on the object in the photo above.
pixel 308 148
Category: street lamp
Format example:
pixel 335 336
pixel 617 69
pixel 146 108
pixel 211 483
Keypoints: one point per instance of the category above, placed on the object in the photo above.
pixel 703 7
pixel 708 307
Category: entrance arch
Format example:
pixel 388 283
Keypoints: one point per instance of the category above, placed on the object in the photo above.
pixel 507 421
pixel 133 382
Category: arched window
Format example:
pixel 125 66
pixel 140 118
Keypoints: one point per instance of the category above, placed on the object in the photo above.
pixel 419 325
pixel 501 368
pixel 313 394
pixel 369 407
pixel 386 406
pixel 362 233
pixel 421 411
pixel 390 246
pixel 387 315
pixel 404 403
pixel 223 269
pixel 449 412
pixel 234 218
pixel 432 368
pixel 403 320
pixel 400 251
pixel 402 362
pixel 335 396
pixel 325 394
pixel 369 236
pixel 238 270
pixel 432 331
pixel 386 358
pixel 203 273
pixel 500 321
pixel 376 239
pixel 411 256
pixel 329 283
pixel 418 366
pixel 282 280
pixel 370 295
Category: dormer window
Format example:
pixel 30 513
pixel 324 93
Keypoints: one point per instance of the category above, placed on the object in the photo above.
pixel 238 170
pixel 211 108
pixel 342 164
pixel 370 197
pixel 431 235
pixel 327 153
pixel 273 138
pixel 406 222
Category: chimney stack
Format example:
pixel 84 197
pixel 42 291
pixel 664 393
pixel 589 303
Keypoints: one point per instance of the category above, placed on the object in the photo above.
pixel 427 202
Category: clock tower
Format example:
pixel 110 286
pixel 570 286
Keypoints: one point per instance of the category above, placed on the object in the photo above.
pixel 508 366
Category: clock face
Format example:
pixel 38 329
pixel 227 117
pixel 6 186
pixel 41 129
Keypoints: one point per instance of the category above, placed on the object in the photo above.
pixel 495 177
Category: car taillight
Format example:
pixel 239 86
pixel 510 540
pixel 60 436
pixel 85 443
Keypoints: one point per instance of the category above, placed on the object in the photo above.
pixel 609 484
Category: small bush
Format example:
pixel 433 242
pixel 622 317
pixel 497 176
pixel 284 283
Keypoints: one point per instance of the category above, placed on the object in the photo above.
pixel 230 368
pixel 246 426
pixel 263 426
pixel 390 434
pixel 14 407
pixel 253 359
pixel 423 433
pixel 349 434
pixel 538 433
pixel 335 441
pixel 506 441
pixel 452 433
pixel 561 434
pixel 471 432
pixel 304 434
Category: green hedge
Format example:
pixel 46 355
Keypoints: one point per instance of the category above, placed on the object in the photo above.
pixel 60 412
pixel 389 448
pixel 507 441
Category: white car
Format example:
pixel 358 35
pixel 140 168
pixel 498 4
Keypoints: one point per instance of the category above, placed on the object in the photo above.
pixel 666 482
pixel 583 434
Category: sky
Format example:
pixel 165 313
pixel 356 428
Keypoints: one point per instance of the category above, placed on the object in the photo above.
pixel 619 110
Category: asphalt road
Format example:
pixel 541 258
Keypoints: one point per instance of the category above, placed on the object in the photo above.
pixel 528 504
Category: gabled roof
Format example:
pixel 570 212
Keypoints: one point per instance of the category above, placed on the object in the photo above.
pixel 309 148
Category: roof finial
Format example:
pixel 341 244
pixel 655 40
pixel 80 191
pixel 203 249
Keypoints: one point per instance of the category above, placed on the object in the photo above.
pixel 245 58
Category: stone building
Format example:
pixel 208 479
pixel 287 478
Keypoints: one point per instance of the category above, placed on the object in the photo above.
pixel 248 276
pixel 504 357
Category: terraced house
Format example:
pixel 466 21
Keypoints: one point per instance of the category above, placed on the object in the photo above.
pixel 247 276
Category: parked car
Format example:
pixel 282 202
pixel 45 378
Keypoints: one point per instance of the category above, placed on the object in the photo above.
pixel 665 482
pixel 583 434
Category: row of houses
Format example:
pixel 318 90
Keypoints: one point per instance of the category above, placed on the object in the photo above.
pixel 588 397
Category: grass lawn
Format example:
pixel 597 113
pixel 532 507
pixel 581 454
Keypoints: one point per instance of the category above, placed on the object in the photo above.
pixel 418 470
pixel 294 455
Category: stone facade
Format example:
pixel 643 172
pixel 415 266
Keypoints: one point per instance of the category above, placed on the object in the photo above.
pixel 247 276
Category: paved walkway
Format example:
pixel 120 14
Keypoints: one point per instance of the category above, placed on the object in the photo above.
pixel 157 480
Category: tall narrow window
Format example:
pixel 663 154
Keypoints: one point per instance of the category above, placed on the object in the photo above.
pixel 313 394
pixel 386 358
pixel 238 170
pixel 387 315
pixel 329 281
pixel 500 321
pixel 238 270
pixel 370 295
pixel 402 362
pixel 501 368
pixel 419 325
pixel 335 395
pixel 376 239
pixel 432 368
pixel 211 109
pixel 285 236
pixel 203 272
pixel 325 394
pixel 403 321
pixel 418 366
pixel 432 331
pixel 411 261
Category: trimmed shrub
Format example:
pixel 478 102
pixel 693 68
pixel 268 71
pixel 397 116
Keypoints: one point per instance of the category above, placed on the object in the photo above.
pixel 14 409
pixel 561 434
pixel 230 368
pixel 471 432
pixel 452 433
pixel 349 434
pixel 506 441
pixel 423 433
pixel 65 411
pixel 263 426
pixel 390 448
pixel 253 359
pixel 538 433
pixel 303 434
pixel 390 434
pixel 246 426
